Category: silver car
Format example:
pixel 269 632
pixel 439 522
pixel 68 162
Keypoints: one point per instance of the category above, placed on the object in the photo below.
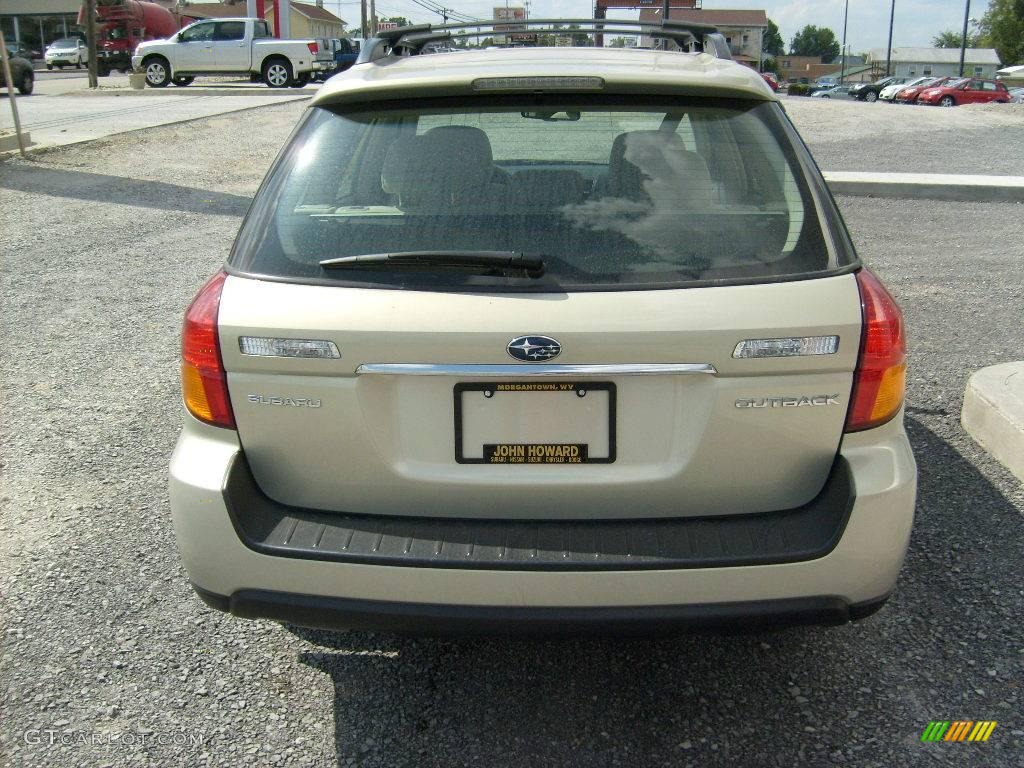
pixel 535 339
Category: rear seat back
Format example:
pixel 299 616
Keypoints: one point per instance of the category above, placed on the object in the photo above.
pixel 545 191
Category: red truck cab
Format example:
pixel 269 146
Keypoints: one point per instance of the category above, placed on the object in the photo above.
pixel 123 24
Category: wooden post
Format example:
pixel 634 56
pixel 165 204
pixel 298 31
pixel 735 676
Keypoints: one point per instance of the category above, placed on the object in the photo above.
pixel 90 40
pixel 10 95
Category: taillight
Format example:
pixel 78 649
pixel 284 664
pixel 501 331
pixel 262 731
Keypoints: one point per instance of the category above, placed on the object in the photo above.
pixel 203 381
pixel 313 48
pixel 880 379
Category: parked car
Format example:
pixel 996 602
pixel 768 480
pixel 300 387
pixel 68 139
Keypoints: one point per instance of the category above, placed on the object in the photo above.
pixel 22 51
pixel 770 79
pixel 1017 95
pixel 22 75
pixel 455 377
pixel 909 94
pixel 869 91
pixel 833 92
pixel 889 92
pixel 227 46
pixel 826 82
pixel 66 52
pixel 965 91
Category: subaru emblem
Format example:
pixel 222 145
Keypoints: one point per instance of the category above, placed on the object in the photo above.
pixel 533 349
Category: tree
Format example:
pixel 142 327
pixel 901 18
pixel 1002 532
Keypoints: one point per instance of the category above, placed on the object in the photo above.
pixel 812 41
pixel 774 45
pixel 399 20
pixel 618 42
pixel 952 39
pixel 1002 27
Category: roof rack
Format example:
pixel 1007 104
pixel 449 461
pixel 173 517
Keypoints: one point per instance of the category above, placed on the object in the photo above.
pixel 413 39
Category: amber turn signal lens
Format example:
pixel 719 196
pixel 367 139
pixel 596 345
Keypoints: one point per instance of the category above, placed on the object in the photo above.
pixel 879 382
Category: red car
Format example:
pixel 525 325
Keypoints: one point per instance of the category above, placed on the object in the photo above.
pixel 770 79
pixel 909 95
pixel 965 91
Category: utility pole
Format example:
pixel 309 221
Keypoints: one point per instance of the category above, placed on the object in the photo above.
pixel 888 52
pixel 90 41
pixel 286 18
pixel 963 40
pixel 846 16
pixel 664 18
pixel 373 18
pixel 363 29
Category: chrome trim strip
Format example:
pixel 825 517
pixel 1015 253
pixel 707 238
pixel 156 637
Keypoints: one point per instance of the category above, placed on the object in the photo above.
pixel 530 370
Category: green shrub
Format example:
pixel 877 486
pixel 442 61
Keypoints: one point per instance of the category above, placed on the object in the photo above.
pixel 799 89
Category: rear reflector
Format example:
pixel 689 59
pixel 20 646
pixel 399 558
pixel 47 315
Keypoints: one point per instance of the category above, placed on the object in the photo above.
pixel 880 379
pixel 789 347
pixel 203 380
pixel 259 346
pixel 538 84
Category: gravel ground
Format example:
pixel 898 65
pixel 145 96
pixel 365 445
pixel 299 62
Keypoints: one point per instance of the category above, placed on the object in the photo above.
pixel 105 645
pixel 857 136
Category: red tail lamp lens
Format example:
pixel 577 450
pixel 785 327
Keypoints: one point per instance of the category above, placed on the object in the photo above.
pixel 203 380
pixel 880 380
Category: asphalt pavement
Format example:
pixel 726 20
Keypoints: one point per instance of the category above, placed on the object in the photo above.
pixel 109 659
pixel 63 110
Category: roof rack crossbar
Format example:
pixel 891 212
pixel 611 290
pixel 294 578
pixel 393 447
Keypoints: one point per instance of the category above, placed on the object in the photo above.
pixel 414 38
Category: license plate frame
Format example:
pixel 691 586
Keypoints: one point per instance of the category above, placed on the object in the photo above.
pixel 564 386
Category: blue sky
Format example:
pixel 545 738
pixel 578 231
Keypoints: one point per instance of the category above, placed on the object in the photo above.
pixel 917 21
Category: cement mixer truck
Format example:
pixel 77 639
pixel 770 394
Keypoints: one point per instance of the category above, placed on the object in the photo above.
pixel 122 24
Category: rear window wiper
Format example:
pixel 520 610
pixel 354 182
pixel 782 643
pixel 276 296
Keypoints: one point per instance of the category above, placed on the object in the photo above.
pixel 476 262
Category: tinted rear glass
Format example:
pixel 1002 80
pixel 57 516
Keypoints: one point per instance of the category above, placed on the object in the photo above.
pixel 610 193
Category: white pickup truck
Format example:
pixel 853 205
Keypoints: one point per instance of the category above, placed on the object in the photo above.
pixel 227 47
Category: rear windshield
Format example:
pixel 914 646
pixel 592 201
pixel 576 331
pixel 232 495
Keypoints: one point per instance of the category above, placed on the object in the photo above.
pixel 609 194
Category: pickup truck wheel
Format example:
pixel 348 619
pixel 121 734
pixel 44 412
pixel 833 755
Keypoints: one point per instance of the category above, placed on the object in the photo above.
pixel 181 82
pixel 872 97
pixel 158 72
pixel 300 80
pixel 277 73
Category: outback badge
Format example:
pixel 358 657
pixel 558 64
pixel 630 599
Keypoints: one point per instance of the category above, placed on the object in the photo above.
pixel 533 349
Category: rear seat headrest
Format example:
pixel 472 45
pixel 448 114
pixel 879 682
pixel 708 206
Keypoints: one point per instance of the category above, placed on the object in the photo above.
pixel 641 156
pixel 445 161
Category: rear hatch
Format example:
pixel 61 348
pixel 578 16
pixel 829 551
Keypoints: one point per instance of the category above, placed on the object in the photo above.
pixel 688 350
pixel 757 434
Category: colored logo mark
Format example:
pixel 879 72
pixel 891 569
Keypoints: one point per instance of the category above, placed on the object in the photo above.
pixel 958 730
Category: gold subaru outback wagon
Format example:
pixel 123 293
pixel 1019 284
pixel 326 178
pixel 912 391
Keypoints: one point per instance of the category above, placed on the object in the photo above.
pixel 535 339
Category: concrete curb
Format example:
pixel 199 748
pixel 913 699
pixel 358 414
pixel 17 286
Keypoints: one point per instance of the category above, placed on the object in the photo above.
pixel 927 186
pixel 993 413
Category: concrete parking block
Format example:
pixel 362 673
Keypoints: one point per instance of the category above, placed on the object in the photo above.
pixel 9 141
pixel 993 413
pixel 927 186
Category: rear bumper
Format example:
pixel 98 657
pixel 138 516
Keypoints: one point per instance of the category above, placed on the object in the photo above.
pixel 440 619
pixel 847 579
